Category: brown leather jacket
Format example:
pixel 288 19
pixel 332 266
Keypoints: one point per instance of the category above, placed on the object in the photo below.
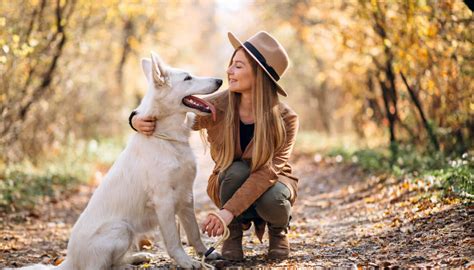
pixel 260 180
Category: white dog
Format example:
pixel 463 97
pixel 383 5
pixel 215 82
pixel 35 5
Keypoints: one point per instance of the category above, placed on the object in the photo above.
pixel 151 181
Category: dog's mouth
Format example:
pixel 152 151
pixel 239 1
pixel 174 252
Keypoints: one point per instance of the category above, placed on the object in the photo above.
pixel 200 105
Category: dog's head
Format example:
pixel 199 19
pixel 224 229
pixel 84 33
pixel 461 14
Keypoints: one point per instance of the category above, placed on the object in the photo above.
pixel 173 89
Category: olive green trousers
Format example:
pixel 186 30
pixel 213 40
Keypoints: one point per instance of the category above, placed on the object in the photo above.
pixel 273 206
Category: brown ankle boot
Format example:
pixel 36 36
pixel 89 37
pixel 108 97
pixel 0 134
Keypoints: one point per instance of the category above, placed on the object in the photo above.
pixel 232 247
pixel 279 247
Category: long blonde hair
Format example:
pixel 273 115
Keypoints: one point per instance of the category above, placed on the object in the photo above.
pixel 269 132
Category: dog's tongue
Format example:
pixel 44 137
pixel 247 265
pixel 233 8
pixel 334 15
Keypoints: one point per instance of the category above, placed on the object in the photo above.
pixel 213 110
pixel 208 104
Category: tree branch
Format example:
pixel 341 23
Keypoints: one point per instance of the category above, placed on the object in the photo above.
pixel 416 101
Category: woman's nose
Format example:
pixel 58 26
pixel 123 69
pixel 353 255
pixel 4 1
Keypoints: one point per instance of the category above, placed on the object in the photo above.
pixel 229 70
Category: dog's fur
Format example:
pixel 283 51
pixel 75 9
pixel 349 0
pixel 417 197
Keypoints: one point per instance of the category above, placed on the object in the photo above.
pixel 149 183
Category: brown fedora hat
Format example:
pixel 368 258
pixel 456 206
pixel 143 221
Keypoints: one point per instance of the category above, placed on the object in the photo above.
pixel 268 53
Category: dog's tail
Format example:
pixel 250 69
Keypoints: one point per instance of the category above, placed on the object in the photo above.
pixel 33 267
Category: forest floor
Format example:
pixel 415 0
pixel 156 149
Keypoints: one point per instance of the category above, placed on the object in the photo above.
pixel 343 217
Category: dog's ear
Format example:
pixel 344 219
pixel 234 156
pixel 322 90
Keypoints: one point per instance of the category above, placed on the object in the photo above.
pixel 158 70
pixel 146 67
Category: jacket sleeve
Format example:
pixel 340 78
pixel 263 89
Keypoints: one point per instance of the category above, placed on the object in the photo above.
pixel 264 178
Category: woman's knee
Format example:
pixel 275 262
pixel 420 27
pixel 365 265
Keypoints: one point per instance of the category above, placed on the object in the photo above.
pixel 274 205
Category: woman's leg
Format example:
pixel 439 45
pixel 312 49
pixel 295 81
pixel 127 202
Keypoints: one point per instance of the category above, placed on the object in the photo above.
pixel 229 181
pixel 275 208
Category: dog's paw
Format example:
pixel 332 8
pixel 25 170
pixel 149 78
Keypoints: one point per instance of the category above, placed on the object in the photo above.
pixel 189 263
pixel 140 258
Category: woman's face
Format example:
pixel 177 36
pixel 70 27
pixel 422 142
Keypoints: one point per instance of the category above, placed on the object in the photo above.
pixel 240 73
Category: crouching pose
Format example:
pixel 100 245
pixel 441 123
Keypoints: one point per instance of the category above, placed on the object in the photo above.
pixel 251 136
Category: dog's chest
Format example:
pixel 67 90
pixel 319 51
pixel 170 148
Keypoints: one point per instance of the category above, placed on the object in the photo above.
pixel 178 163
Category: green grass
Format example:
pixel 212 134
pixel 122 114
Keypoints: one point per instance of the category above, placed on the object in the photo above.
pixel 454 174
pixel 23 185
pixel 309 142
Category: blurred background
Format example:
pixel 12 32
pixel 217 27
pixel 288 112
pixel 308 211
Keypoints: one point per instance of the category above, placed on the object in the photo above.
pixel 387 84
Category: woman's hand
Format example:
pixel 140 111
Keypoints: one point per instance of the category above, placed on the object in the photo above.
pixel 213 225
pixel 144 124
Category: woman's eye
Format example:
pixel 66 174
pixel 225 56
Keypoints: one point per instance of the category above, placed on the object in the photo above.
pixel 188 78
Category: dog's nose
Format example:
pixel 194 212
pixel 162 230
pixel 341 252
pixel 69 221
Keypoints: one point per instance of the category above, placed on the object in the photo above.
pixel 219 82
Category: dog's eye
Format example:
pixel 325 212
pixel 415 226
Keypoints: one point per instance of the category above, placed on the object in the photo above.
pixel 188 78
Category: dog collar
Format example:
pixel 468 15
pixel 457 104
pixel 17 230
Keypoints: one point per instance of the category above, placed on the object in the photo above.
pixel 167 137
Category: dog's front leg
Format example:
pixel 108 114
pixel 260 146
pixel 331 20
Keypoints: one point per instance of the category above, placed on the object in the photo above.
pixel 169 232
pixel 188 219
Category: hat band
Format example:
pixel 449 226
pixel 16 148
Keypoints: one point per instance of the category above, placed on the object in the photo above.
pixel 262 60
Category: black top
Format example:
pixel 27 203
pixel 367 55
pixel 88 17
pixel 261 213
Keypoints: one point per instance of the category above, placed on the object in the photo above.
pixel 246 135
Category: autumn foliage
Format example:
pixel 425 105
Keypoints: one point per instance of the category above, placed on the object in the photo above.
pixel 401 68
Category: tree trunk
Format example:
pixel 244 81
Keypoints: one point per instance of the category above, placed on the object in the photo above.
pixel 372 100
pixel 59 39
pixel 417 103
pixel 128 31
pixel 389 90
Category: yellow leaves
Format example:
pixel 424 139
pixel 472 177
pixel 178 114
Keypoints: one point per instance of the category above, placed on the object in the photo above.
pixel 396 222
pixel 405 185
pixel 430 86
pixel 3 21
pixel 373 3
pixel 133 42
pixel 306 33
pixel 15 47
pixel 432 31
pixel 58 261
pixel 379 225
pixel 421 54
pixel 369 200
pixel 452 200
pixel 131 9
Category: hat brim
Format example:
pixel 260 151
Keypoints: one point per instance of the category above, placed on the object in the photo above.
pixel 236 43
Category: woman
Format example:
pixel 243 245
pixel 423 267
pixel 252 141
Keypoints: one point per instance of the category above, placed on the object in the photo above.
pixel 251 140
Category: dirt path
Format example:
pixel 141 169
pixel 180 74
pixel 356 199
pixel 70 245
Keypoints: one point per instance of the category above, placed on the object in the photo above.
pixel 343 217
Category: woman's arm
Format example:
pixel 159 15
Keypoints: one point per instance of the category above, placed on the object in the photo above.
pixel 142 124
